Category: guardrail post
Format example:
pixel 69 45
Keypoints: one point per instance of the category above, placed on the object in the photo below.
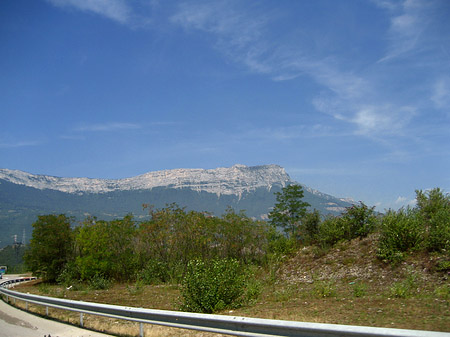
pixel 46 311
pixel 141 329
pixel 81 319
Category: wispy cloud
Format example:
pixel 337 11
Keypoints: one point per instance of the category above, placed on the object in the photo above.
pixel 286 133
pixel 11 145
pixel 238 34
pixel 107 127
pixel 347 96
pixel 326 171
pixel 121 11
pixel 404 201
pixel 383 119
pixel 441 93
pixel 407 23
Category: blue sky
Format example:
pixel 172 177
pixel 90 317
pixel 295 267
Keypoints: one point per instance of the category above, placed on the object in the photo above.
pixel 350 97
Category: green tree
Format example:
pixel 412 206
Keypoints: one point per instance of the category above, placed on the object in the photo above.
pixel 289 209
pixel 310 226
pixel 242 238
pixel 106 248
pixel 173 237
pixel 360 220
pixel 434 211
pixel 50 247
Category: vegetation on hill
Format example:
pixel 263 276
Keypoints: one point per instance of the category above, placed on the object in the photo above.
pixel 220 255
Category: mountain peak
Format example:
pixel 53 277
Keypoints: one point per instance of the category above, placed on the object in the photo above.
pixel 233 180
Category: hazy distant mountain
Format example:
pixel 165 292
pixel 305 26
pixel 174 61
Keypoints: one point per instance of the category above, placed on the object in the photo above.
pixel 23 196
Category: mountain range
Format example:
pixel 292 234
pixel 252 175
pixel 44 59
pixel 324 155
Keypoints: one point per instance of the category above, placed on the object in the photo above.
pixel 23 195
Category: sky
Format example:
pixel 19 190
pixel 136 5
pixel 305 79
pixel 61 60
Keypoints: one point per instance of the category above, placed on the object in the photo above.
pixel 351 97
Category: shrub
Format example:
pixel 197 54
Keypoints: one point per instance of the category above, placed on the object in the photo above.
pixel 99 282
pixel 443 265
pixel 433 207
pixel 154 272
pixel 212 286
pixel 360 221
pixel 439 231
pixel 280 244
pixel 310 227
pixel 400 232
pixel 331 231
pixel 69 275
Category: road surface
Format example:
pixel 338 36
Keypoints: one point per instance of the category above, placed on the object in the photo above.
pixel 17 323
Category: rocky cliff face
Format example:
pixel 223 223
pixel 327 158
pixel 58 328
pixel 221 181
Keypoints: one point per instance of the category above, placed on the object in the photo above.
pixel 24 196
pixel 234 180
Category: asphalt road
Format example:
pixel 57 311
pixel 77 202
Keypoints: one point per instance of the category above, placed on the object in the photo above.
pixel 17 323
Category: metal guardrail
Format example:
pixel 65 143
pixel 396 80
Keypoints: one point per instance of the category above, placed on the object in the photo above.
pixel 231 325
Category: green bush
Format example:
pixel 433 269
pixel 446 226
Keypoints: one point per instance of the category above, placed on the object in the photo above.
pixel 443 265
pixel 331 231
pixel 213 286
pixel 280 244
pixel 357 221
pixel 155 272
pixel 309 228
pixel 439 231
pixel 69 275
pixel 401 231
pixel 360 221
pixel 433 208
pixel 99 282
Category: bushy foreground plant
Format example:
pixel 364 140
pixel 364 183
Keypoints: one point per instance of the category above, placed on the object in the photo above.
pixel 357 221
pixel 400 231
pixel 211 286
pixel 424 227
pixel 99 282
pixel 434 210
pixel 155 272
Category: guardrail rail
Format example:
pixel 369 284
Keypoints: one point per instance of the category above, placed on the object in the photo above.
pixel 230 325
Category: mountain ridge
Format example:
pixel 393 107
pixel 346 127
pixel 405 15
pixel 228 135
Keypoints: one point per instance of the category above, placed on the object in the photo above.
pixel 24 196
pixel 221 181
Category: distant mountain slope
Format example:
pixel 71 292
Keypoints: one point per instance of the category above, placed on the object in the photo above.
pixel 23 196
pixel 236 180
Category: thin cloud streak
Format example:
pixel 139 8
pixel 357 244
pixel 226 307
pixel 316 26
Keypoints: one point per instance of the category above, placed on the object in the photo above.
pixel 441 94
pixel 108 127
pixel 19 144
pixel 117 10
pixel 287 133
